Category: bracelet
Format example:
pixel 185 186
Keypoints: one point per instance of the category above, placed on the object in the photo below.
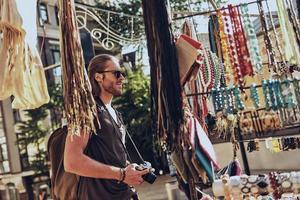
pixel 122 175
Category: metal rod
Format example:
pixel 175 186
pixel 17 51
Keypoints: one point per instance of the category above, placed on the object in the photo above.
pixel 242 150
pixel 212 11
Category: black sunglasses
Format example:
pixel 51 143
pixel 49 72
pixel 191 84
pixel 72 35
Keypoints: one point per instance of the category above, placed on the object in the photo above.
pixel 116 73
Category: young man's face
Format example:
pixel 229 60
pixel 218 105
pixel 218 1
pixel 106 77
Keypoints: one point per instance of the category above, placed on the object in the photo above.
pixel 112 78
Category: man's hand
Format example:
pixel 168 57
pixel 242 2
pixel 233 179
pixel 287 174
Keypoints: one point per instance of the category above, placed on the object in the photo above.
pixel 133 176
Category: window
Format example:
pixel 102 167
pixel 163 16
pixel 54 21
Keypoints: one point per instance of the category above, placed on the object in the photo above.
pixel 56 15
pixel 55 51
pixel 43 14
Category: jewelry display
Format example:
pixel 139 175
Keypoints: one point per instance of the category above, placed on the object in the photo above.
pixel 263 186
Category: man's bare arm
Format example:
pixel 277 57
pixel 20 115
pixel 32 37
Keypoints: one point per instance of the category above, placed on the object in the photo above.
pixel 75 161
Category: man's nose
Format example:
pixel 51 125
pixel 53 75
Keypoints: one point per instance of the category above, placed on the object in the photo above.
pixel 122 77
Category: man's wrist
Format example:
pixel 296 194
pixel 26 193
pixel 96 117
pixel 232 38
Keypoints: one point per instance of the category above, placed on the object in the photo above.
pixel 122 175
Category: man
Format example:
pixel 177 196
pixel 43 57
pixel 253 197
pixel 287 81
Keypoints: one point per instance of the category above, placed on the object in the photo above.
pixel 100 159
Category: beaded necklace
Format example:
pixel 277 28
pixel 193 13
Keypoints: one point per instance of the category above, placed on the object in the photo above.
pixel 225 52
pixel 229 101
pixel 254 96
pixel 205 74
pixel 240 43
pixel 239 104
pixel 233 55
pixel 272 94
pixel 252 39
pixel 248 69
pixel 278 92
pixel 211 68
pixel 266 94
pixel 216 64
pixel 283 69
pixel 269 47
pixel 289 97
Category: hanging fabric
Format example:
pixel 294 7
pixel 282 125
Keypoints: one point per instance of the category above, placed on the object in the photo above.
pixel 10 44
pixel 79 103
pixel 33 91
pixel 165 84
pixel 23 74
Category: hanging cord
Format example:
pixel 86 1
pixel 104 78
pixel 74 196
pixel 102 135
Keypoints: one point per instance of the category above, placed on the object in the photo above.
pixel 275 33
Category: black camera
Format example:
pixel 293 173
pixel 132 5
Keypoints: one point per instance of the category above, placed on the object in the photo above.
pixel 150 177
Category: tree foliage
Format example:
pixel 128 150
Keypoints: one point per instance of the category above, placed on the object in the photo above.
pixel 119 22
pixel 34 129
pixel 32 132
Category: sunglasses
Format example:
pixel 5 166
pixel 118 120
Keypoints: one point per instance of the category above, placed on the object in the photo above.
pixel 116 73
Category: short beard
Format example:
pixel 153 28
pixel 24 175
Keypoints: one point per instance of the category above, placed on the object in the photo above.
pixel 113 91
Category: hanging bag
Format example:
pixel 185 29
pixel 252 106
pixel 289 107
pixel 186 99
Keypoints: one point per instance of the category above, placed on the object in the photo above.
pixel 64 184
pixel 188 51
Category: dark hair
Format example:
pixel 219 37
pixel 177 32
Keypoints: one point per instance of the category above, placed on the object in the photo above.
pixel 98 64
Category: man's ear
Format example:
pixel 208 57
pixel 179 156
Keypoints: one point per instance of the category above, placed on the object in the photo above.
pixel 98 77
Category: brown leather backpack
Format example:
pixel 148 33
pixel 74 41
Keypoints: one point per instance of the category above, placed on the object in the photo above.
pixel 64 184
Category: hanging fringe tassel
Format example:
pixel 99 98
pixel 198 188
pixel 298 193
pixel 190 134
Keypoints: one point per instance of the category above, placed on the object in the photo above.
pixel 80 107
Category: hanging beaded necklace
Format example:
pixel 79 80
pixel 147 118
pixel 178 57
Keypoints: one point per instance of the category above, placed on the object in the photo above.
pixel 240 44
pixel 283 68
pixel 248 69
pixel 217 69
pixel 278 94
pixel 254 96
pixel 212 68
pixel 239 104
pixel 232 52
pixel 229 101
pixel 266 94
pixel 289 97
pixel 205 74
pixel 269 47
pixel 252 39
pixel 270 85
pixel 225 51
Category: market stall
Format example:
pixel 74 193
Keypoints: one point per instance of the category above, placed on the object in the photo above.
pixel 243 87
